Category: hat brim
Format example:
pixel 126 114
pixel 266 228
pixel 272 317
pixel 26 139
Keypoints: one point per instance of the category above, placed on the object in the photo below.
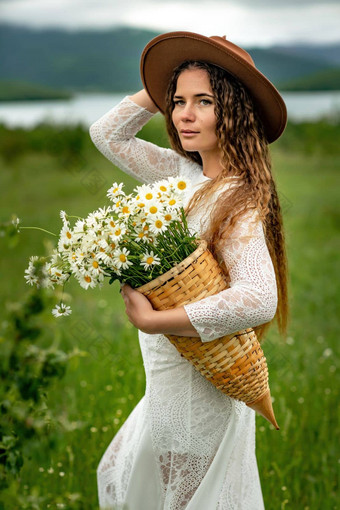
pixel 165 52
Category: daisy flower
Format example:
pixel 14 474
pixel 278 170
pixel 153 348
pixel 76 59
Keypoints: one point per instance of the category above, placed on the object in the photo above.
pixel 86 280
pixel 121 258
pixel 172 202
pixel 154 207
pixel 115 191
pixel 157 224
pixel 117 233
pixel 60 310
pixel 146 193
pixel 170 215
pixel 162 187
pixel 150 259
pixel 126 209
pixel 178 184
pixel 66 238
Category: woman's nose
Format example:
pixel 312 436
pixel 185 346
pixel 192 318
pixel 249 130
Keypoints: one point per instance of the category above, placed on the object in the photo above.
pixel 187 113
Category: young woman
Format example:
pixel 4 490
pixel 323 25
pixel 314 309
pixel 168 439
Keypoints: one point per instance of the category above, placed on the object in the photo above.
pixel 186 445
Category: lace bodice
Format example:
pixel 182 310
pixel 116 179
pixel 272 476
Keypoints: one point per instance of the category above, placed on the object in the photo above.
pixel 251 299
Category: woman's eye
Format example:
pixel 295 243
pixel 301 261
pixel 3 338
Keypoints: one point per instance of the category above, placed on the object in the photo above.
pixel 206 101
pixel 179 102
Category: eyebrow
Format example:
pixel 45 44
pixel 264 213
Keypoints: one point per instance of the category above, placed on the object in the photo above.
pixel 196 95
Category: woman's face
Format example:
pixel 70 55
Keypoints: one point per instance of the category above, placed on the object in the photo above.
pixel 194 112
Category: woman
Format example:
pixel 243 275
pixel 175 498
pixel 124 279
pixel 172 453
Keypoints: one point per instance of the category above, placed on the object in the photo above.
pixel 186 445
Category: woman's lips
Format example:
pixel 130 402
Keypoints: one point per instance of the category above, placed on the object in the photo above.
pixel 188 133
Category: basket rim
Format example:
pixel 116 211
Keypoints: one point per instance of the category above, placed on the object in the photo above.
pixel 160 280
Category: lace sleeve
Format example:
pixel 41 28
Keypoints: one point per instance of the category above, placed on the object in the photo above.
pixel 114 135
pixel 251 299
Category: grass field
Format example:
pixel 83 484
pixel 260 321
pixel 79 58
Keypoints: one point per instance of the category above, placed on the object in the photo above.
pixel 299 464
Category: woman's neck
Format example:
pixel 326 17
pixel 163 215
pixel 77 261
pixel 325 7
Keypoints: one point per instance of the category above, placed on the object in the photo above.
pixel 211 163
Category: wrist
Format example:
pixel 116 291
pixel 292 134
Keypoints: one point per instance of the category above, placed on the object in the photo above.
pixel 149 323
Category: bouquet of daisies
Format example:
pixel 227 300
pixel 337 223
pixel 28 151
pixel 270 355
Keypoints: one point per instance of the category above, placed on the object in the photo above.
pixel 134 240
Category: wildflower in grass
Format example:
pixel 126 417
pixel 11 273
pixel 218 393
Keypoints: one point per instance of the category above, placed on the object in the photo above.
pixel 61 310
pixel 150 259
pixel 121 258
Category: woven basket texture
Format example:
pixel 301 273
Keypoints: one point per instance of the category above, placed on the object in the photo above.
pixel 235 363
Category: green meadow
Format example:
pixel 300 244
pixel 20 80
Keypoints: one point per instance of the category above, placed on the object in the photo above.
pixel 50 168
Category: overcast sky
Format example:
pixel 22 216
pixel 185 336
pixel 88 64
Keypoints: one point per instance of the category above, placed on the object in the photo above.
pixel 248 22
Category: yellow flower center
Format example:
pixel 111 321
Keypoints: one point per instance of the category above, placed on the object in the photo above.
pixel 140 204
pixel 146 227
pixel 122 257
pixel 118 203
pixel 87 279
pixel 141 235
pixel 58 274
pixel 95 264
pixel 172 201
pixel 113 245
pixel 118 232
pixel 149 260
pixel 115 190
pixel 159 223
pixel 181 185
pixel 167 217
pixel 68 235
pixel 153 209
pixel 112 223
pixel 126 209
pixel 149 196
pixel 162 188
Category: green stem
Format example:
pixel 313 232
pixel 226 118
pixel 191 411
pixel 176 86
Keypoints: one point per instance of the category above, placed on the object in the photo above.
pixel 42 229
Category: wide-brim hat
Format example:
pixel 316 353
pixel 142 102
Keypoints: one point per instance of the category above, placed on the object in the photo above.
pixel 165 52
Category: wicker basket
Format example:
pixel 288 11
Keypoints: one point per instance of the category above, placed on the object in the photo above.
pixel 235 364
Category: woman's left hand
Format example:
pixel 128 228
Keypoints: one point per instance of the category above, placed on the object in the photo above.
pixel 138 308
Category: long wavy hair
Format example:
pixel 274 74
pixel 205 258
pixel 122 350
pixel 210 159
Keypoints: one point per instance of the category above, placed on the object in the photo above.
pixel 245 154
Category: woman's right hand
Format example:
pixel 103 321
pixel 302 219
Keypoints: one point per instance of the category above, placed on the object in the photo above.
pixel 143 99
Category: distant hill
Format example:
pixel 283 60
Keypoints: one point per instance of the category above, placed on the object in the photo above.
pixel 80 61
pixel 23 91
pixel 326 52
pixel 278 66
pixel 323 80
pixel 108 61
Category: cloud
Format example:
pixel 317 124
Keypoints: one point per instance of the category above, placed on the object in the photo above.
pixel 248 22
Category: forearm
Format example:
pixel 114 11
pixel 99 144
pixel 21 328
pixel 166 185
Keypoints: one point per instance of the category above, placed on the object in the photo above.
pixel 172 322
pixel 142 99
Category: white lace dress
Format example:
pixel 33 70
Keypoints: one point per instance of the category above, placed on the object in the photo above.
pixel 186 445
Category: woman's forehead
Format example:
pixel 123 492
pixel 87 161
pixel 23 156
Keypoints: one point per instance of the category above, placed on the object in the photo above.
pixel 193 80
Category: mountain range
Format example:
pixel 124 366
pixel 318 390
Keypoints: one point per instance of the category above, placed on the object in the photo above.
pixel 108 60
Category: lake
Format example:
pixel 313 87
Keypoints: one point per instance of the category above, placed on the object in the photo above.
pixel 87 108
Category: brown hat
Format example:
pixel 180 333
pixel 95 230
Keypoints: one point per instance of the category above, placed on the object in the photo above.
pixel 165 52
